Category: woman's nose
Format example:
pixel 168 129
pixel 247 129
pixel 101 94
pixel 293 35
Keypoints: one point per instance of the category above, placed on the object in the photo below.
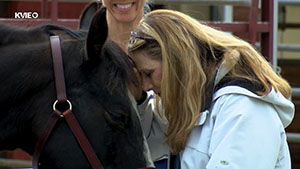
pixel 147 85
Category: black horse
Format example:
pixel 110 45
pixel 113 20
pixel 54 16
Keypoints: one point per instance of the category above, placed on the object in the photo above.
pixel 97 75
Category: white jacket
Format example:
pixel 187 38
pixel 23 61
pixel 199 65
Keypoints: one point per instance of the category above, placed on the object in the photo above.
pixel 240 131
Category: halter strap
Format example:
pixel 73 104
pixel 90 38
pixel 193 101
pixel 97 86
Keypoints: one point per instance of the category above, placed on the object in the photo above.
pixel 58 69
pixel 68 115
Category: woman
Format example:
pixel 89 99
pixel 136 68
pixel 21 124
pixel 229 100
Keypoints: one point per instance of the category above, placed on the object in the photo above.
pixel 122 17
pixel 225 106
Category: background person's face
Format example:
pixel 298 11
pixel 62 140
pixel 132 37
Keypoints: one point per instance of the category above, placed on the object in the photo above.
pixel 151 71
pixel 125 10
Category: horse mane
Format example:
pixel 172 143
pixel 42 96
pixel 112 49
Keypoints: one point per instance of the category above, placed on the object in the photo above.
pixel 10 34
pixel 49 29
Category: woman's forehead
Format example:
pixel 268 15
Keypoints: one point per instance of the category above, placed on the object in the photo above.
pixel 147 63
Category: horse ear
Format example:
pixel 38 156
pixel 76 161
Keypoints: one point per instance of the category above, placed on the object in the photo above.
pixel 97 35
pixel 87 14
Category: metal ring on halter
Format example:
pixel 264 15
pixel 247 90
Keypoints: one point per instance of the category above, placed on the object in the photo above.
pixel 54 105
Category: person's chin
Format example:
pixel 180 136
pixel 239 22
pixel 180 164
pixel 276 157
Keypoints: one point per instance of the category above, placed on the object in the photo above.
pixel 126 18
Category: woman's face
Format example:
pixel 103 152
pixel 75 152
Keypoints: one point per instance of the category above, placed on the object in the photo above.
pixel 125 10
pixel 151 71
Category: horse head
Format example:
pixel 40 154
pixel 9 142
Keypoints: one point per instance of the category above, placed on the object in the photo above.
pixel 97 75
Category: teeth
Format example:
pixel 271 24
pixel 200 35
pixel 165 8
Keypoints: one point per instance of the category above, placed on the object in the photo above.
pixel 124 6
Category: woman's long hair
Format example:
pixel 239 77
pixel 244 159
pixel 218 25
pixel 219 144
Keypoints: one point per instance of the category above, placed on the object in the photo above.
pixel 189 53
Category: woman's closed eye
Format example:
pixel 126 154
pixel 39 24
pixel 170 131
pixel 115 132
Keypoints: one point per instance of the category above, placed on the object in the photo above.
pixel 147 73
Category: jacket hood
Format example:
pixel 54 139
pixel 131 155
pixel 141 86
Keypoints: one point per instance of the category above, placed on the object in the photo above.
pixel 284 107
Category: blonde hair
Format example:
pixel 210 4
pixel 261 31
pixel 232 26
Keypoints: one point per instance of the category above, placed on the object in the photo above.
pixel 189 54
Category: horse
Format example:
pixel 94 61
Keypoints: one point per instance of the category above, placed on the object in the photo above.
pixel 97 79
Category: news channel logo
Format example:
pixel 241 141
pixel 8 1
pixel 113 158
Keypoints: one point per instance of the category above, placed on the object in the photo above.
pixel 26 15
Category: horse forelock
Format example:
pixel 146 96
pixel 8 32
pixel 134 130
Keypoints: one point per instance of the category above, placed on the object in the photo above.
pixel 111 74
pixel 119 63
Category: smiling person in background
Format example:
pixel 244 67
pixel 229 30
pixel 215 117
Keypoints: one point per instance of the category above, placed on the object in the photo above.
pixel 123 17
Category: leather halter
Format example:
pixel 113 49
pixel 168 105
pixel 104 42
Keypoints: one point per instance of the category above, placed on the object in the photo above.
pixel 67 114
